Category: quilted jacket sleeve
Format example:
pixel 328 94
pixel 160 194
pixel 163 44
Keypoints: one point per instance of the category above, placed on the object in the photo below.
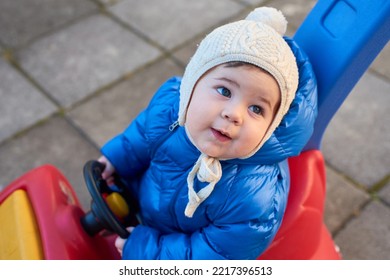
pixel 129 151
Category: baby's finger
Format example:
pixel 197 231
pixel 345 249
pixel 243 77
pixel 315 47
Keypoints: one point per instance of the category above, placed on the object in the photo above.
pixel 119 243
pixel 110 180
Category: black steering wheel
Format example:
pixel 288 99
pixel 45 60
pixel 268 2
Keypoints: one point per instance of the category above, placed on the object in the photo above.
pixel 101 216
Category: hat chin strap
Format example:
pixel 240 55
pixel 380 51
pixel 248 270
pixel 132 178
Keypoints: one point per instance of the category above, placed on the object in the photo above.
pixel 207 169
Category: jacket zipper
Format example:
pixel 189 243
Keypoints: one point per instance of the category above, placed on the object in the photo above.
pixel 171 129
pixel 173 126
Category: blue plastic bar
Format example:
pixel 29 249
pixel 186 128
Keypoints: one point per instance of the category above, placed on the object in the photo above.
pixel 342 38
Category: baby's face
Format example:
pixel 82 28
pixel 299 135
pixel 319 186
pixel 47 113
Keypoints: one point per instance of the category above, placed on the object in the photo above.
pixel 231 109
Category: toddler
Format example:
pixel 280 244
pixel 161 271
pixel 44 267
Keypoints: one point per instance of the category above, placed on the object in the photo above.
pixel 207 158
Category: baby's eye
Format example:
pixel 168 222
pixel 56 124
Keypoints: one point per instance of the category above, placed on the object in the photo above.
pixel 256 109
pixel 224 91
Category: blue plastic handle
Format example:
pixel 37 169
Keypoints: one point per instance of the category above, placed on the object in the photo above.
pixel 341 38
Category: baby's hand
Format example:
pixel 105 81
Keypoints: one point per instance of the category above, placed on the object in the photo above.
pixel 120 242
pixel 109 169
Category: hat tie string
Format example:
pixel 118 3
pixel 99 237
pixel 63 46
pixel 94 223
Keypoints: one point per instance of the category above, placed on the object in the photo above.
pixel 207 169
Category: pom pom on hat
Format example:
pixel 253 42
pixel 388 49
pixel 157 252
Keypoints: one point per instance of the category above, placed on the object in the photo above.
pixel 270 17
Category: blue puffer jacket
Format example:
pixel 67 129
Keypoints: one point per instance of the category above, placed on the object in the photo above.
pixel 243 213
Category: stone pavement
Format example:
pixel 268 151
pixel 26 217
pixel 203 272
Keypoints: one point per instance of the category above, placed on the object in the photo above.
pixel 73 73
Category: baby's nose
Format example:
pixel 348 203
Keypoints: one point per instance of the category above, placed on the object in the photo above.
pixel 233 114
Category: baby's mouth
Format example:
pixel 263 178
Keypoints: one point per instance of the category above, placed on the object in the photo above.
pixel 220 135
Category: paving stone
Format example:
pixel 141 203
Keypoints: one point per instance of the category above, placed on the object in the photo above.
pixel 357 140
pixel 295 11
pixel 343 200
pixel 384 193
pixel 381 63
pixel 78 60
pixel 256 3
pixel 172 22
pixel 109 2
pixel 54 142
pixel 21 103
pixel 185 53
pixel 367 237
pixel 23 20
pixel 120 104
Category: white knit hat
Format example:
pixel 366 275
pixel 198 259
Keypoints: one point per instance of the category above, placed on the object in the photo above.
pixel 257 40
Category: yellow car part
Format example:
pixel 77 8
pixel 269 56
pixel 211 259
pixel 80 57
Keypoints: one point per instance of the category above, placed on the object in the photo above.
pixel 19 232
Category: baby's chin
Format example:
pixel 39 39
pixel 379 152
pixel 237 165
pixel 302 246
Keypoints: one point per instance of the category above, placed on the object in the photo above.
pixel 223 155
